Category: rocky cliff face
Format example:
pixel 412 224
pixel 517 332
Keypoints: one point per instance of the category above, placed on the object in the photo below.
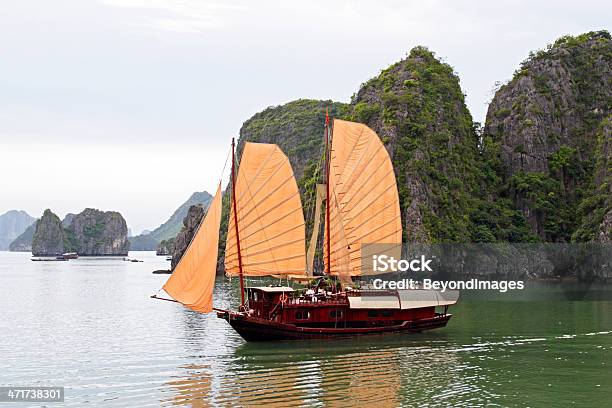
pixel 12 224
pixel 596 210
pixel 68 220
pixel 48 239
pixel 94 232
pixel 543 126
pixel 90 233
pixel 603 185
pixel 184 237
pixel 418 109
pixel 447 186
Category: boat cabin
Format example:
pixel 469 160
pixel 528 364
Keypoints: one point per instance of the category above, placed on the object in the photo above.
pixel 263 299
pixel 347 309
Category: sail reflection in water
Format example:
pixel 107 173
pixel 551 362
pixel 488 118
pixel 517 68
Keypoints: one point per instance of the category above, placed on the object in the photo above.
pixel 195 389
pixel 387 374
pixel 361 378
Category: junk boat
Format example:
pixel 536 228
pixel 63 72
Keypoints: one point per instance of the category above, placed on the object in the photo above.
pixel 266 236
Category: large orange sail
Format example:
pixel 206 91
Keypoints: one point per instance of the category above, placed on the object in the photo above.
pixel 364 202
pixel 270 217
pixel 193 279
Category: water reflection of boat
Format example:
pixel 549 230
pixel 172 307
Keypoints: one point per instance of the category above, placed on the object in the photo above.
pixel 383 371
pixel 266 237
pixel 194 388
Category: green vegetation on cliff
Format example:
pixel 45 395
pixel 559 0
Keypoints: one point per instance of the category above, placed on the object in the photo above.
pixel 595 211
pixel 446 185
pixel 538 171
pixel 418 110
pixel 547 126
pixel 297 128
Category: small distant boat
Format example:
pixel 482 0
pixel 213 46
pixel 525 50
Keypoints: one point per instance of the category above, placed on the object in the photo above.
pixel 132 260
pixel 168 258
pixel 63 257
pixel 48 259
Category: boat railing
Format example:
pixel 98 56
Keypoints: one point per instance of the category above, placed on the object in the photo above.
pixel 305 301
pixel 372 292
pixel 315 301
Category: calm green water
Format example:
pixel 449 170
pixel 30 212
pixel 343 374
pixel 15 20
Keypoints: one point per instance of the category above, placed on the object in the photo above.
pixel 90 326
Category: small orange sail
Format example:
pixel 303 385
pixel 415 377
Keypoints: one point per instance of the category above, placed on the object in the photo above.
pixel 364 202
pixel 193 279
pixel 270 217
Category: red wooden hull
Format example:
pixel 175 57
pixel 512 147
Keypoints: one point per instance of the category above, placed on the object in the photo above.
pixel 253 328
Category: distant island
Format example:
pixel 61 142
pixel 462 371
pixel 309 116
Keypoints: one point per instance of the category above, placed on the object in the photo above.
pixel 152 241
pixel 12 224
pixel 23 243
pixel 77 239
pixel 89 233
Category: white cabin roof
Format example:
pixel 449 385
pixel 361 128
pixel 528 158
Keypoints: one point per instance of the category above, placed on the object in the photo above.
pixel 374 302
pixel 272 289
pixel 415 298
pixel 408 299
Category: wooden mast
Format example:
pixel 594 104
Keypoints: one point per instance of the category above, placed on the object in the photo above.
pixel 236 224
pixel 327 167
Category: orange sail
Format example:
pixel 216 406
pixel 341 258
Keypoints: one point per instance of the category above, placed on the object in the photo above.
pixel 270 217
pixel 193 278
pixel 364 202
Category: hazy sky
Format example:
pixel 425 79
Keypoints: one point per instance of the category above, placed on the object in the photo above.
pixel 130 105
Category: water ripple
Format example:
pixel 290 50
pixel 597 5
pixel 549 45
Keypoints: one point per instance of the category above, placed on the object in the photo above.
pixel 90 326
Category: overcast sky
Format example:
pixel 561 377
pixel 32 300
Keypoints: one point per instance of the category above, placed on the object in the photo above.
pixel 130 105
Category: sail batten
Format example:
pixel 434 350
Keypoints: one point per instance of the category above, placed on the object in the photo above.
pixel 270 193
pixel 364 207
pixel 193 279
pixel 269 216
pixel 256 220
